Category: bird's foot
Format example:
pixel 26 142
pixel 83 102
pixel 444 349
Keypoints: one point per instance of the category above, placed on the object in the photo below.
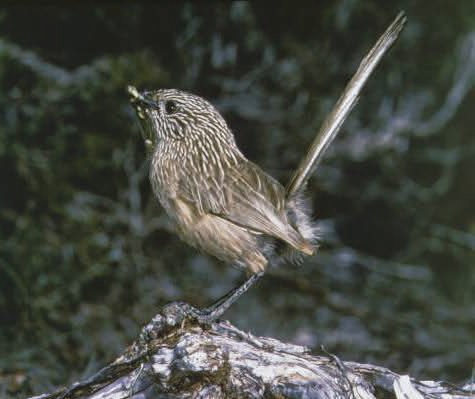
pixel 176 312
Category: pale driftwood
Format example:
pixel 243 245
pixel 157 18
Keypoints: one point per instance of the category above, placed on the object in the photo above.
pixel 174 357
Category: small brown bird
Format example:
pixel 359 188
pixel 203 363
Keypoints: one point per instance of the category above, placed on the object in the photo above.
pixel 219 201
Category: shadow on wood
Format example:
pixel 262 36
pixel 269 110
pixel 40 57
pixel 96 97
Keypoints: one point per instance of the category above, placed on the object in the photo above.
pixel 175 357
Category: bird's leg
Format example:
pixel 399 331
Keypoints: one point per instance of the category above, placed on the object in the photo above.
pixel 215 310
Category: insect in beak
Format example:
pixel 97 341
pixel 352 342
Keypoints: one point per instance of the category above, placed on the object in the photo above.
pixel 141 104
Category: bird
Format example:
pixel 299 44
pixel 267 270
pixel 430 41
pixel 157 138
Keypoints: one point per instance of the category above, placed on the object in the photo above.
pixel 219 201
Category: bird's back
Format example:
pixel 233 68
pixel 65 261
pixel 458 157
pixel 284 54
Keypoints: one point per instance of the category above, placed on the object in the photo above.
pixel 238 215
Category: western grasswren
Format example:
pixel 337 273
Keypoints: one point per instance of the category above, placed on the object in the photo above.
pixel 219 201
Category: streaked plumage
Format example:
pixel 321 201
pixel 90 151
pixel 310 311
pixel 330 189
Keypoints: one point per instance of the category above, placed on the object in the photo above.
pixel 220 202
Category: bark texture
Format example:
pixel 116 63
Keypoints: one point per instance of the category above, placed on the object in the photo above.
pixel 175 357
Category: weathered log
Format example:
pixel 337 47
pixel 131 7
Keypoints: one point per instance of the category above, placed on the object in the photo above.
pixel 175 357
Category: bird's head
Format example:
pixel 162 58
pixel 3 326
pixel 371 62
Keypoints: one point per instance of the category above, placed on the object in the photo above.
pixel 178 117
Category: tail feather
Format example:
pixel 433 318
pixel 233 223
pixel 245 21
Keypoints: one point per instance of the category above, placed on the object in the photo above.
pixel 343 107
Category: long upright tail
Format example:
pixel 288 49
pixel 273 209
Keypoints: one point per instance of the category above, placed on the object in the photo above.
pixel 343 107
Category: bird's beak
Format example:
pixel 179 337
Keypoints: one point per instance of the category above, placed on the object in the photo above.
pixel 138 99
pixel 134 93
pixel 141 104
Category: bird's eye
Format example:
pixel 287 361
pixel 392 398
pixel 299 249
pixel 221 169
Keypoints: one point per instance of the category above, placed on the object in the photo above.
pixel 170 107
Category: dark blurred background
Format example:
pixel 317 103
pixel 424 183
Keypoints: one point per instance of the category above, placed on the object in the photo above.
pixel 86 253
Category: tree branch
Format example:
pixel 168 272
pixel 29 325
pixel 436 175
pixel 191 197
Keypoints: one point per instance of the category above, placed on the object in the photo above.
pixel 175 357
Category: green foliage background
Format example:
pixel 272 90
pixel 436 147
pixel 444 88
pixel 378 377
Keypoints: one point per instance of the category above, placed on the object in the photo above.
pixel 87 255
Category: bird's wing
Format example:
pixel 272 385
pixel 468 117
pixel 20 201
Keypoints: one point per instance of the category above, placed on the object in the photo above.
pixel 247 197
